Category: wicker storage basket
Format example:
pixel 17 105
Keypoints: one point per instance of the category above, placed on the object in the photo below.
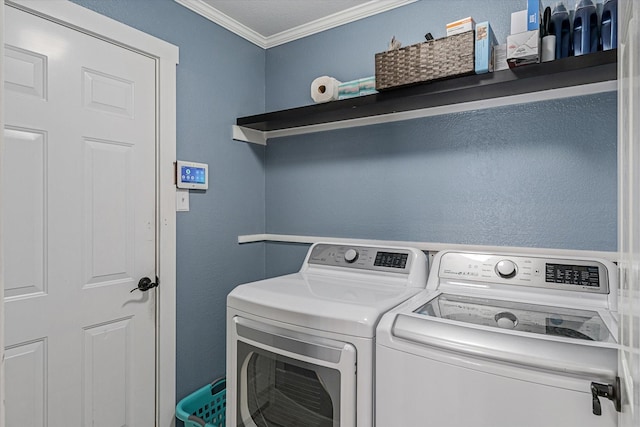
pixel 422 62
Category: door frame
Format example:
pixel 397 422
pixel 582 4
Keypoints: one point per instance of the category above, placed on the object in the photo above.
pixel 166 57
pixel 628 212
pixel 2 411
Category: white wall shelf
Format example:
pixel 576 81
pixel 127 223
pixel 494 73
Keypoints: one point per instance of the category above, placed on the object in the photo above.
pixel 567 77
pixel 427 246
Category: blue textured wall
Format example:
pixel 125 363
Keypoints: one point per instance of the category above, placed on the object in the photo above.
pixel 513 176
pixel 220 77
pixel 539 175
pixel 347 52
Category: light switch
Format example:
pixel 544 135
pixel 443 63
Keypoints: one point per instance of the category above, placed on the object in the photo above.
pixel 182 200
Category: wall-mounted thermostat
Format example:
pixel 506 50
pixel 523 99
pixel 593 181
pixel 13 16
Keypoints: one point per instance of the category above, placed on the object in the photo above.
pixel 192 175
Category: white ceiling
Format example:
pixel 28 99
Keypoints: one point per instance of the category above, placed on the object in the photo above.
pixel 269 23
pixel 270 17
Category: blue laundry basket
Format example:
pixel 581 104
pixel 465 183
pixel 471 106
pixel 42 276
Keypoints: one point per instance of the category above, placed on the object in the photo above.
pixel 204 407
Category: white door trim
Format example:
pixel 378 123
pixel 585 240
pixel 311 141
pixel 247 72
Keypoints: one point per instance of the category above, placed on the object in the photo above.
pixel 166 57
pixel 1 258
pixel 628 211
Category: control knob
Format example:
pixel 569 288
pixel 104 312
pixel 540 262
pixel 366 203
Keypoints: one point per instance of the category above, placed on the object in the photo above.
pixel 506 269
pixel 351 255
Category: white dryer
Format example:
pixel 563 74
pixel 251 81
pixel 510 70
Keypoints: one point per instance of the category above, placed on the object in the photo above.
pixel 300 347
pixel 502 340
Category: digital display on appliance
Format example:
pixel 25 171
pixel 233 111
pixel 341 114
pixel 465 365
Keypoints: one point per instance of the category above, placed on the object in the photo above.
pixel 391 259
pixel 193 175
pixel 579 275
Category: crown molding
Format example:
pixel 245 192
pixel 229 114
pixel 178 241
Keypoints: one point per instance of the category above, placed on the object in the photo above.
pixel 335 20
pixel 331 21
pixel 225 21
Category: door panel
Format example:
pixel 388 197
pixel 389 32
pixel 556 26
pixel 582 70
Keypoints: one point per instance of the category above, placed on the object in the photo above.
pixel 106 93
pixel 105 372
pixel 79 228
pixel 25 366
pixel 109 238
pixel 25 72
pixel 24 209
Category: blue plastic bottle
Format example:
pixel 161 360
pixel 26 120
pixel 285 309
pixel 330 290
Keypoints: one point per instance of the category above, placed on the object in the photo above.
pixel 610 25
pixel 560 27
pixel 585 28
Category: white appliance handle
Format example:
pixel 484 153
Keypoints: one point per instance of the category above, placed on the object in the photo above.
pixel 565 356
pixel 293 343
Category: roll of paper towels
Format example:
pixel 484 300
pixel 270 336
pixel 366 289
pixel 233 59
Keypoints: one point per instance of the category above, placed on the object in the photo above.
pixel 324 89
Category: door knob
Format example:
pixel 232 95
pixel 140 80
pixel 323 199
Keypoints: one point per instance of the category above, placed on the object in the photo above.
pixel 145 284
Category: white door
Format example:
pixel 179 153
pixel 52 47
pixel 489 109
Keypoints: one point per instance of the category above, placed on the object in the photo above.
pixel 629 208
pixel 79 228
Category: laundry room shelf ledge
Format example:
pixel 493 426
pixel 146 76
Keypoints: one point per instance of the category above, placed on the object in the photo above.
pixel 431 247
pixel 567 77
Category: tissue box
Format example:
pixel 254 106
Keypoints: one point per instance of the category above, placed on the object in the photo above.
pixel 348 89
pixel 523 48
pixel 485 40
pixel 519 22
pixel 527 20
pixel 534 14
pixel 359 87
pixel 367 86
pixel 460 26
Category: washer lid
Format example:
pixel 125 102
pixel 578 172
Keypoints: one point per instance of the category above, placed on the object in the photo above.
pixel 340 305
pixel 524 317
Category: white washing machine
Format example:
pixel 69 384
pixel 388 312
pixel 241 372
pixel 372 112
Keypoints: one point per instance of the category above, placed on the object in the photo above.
pixel 300 347
pixel 502 340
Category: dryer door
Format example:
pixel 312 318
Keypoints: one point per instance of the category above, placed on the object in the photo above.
pixel 286 378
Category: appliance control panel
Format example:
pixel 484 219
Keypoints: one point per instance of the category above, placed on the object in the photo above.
pixel 565 274
pixel 362 257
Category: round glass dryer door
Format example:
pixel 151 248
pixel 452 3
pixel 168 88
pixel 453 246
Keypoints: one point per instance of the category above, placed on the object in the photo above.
pixel 282 392
pixel 284 378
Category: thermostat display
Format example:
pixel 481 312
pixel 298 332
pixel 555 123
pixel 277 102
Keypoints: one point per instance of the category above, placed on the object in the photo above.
pixel 192 175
